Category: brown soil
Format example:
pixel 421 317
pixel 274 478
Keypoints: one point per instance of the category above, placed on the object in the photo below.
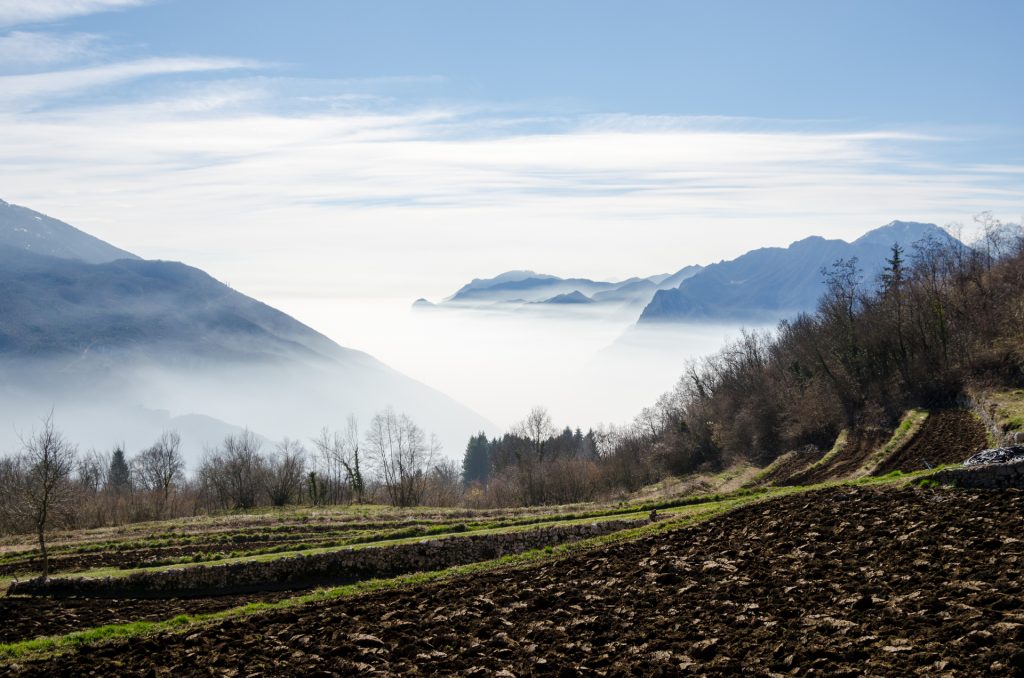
pixel 133 558
pixel 857 451
pixel 795 463
pixel 947 437
pixel 25 617
pixel 843 581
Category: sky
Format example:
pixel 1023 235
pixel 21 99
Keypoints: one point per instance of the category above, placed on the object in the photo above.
pixel 317 154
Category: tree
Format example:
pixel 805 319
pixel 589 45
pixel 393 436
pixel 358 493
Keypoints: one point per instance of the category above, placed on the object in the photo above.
pixel 47 459
pixel 339 453
pixel 161 468
pixel 476 464
pixel 119 476
pixel 285 472
pixel 243 468
pixel 402 454
pixel 535 430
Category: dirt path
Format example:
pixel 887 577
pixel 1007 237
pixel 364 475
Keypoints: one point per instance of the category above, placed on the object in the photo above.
pixel 840 582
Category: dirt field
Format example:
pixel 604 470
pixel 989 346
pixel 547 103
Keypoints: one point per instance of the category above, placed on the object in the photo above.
pixel 947 437
pixel 844 581
pixel 856 452
pixel 25 618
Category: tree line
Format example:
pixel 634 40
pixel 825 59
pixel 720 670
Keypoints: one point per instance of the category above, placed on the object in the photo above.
pixel 49 484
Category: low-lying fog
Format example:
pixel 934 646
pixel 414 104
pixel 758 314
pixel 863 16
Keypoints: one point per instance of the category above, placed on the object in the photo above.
pixel 586 365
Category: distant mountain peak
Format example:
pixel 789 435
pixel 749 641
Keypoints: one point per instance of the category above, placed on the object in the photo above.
pixel 574 297
pixel 903 232
pixel 770 283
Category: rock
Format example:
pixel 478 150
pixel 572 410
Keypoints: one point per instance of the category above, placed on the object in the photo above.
pixel 997 455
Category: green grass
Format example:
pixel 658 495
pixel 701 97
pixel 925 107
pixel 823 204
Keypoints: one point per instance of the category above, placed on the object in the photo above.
pixel 837 449
pixel 909 427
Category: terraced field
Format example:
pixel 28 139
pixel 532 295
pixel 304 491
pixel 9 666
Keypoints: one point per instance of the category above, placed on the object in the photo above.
pixel 872 574
pixel 844 580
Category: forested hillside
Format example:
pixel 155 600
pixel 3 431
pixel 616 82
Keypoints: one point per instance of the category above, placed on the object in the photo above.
pixel 939 319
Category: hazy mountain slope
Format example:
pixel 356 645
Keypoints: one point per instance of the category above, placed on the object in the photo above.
pixel 574 297
pixel 29 231
pixel 774 282
pixel 122 348
pixel 529 287
pixel 51 306
pixel 679 276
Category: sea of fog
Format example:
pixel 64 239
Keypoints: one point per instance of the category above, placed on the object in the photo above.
pixel 586 366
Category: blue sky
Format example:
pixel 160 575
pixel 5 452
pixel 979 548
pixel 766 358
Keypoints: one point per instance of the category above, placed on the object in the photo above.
pixel 868 62
pixel 398 148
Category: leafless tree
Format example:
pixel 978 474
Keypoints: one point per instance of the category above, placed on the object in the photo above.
pixel 444 484
pixel 536 428
pixel 47 460
pixel 160 468
pixel 286 469
pixel 338 453
pixel 403 454
pixel 243 467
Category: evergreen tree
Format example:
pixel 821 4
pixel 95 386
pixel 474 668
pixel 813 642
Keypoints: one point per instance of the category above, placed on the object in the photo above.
pixel 119 478
pixel 476 465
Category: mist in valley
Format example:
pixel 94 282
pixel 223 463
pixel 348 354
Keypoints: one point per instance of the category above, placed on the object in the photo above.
pixel 588 366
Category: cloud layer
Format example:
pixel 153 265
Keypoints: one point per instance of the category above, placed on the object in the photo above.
pixel 400 201
pixel 17 12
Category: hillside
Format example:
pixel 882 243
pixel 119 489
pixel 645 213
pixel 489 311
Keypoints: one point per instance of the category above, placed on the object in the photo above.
pixel 32 232
pixel 110 345
pixel 776 282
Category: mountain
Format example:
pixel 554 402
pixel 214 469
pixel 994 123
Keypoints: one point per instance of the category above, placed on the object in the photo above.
pixel 527 287
pixel 508 287
pixel 112 344
pixel 775 282
pixel 574 297
pixel 29 231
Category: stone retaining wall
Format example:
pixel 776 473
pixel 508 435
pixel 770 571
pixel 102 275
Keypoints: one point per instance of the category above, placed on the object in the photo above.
pixel 335 567
pixel 986 477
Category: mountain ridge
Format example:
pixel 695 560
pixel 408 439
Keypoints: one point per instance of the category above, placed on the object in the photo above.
pixel 30 231
pixel 774 282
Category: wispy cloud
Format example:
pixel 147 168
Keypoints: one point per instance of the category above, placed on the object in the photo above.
pixel 344 200
pixel 15 12
pixel 35 88
pixel 20 49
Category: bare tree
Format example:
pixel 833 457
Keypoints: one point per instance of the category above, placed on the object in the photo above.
pixel 402 454
pixel 444 484
pixel 536 428
pixel 47 460
pixel 286 469
pixel 339 454
pixel 160 468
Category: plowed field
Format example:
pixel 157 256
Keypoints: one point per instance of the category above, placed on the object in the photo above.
pixel 843 581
